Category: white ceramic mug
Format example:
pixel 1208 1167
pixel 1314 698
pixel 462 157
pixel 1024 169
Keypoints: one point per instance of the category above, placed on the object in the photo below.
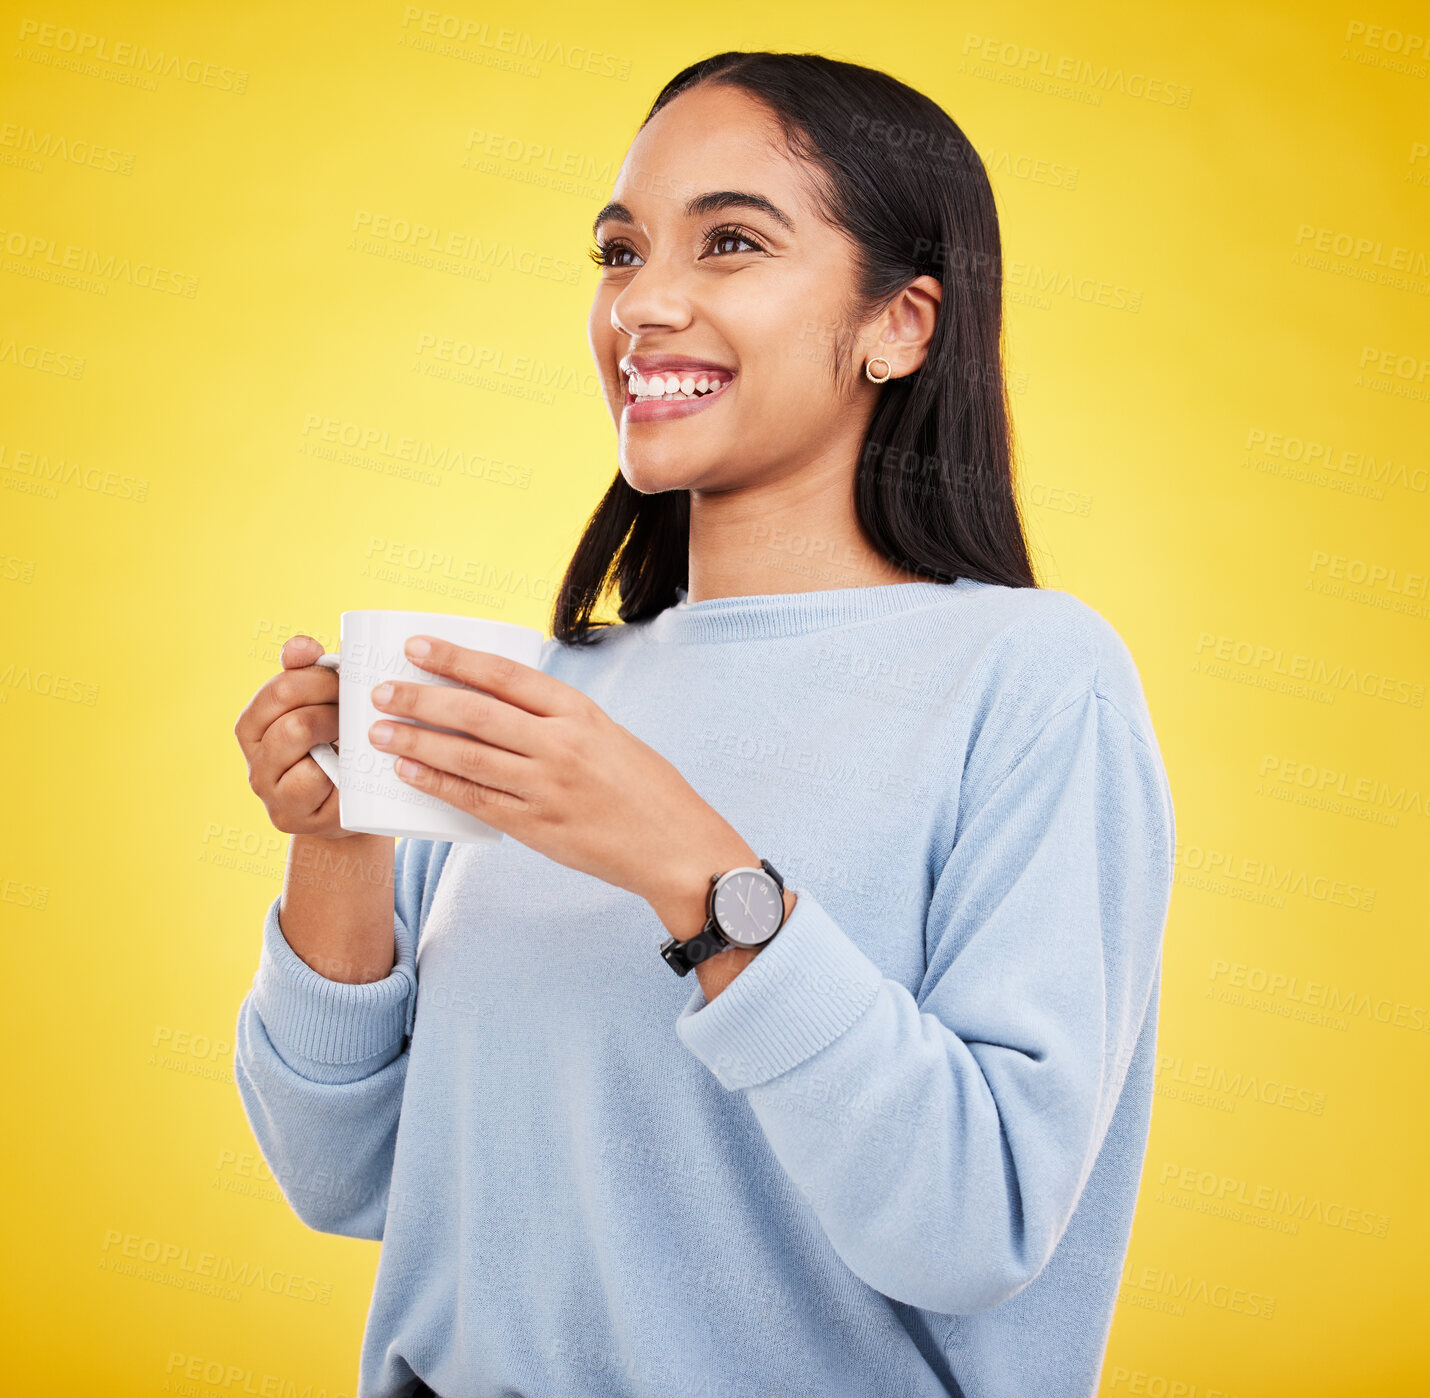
pixel 372 798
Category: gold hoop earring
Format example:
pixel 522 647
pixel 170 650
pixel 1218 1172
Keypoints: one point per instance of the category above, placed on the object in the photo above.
pixel 888 369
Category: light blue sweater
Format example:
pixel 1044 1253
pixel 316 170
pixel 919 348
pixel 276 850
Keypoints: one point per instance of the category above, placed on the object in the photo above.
pixel 897 1157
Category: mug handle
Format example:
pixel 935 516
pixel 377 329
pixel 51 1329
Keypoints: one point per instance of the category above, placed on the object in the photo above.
pixel 324 754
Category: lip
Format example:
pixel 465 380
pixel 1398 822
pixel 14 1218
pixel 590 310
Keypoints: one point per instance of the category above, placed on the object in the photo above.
pixel 647 364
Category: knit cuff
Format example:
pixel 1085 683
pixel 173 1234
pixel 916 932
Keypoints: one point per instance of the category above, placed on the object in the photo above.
pixel 804 989
pixel 329 1030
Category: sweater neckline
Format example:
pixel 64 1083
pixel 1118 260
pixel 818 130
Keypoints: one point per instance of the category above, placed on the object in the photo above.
pixel 772 614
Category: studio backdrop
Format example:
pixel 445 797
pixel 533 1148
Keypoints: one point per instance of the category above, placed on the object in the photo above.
pixel 293 321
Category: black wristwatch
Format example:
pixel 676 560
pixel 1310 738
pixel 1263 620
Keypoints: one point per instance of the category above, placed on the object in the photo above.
pixel 744 908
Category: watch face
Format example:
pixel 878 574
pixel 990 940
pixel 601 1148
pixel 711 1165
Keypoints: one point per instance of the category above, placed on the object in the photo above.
pixel 748 906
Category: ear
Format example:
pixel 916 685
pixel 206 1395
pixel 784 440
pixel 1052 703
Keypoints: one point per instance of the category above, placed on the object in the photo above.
pixel 903 332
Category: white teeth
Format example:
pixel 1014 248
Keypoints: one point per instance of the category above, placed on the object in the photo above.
pixel 671 388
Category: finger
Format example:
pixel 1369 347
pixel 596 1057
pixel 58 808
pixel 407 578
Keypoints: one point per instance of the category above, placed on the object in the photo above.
pixel 285 745
pixel 499 809
pixel 300 650
pixel 522 685
pixel 483 716
pixel 474 762
pixel 305 788
pixel 292 689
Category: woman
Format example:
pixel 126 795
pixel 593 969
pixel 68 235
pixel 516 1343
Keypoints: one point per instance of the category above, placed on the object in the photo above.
pixel 899 811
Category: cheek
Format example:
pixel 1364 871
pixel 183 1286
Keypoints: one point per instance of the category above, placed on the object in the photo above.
pixel 599 334
pixel 783 334
pixel 602 341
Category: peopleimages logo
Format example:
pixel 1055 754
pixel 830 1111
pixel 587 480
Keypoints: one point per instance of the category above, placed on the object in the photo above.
pixel 1277 880
pixel 206 1271
pixel 78 44
pixel 1358 247
pixel 1371 573
pixel 1394 797
pixel 43 359
pixel 1275 661
pixel 1289 451
pixel 1026 65
pixel 38 146
pixel 524 51
pixel 192 1369
pixel 45 258
pixel 1214 1078
pixel 1294 1206
pixel 470 247
pixel 37 473
pixel 1275 985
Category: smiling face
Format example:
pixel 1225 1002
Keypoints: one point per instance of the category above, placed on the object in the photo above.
pixel 749 297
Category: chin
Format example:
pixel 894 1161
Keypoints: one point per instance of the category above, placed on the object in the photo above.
pixel 652 473
pixel 656 479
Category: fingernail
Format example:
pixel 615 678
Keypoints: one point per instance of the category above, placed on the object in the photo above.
pixel 382 694
pixel 380 732
pixel 419 645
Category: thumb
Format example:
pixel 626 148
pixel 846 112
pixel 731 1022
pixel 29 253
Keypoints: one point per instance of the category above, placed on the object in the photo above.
pixel 298 651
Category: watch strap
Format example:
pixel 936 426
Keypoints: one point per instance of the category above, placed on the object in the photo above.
pixel 685 956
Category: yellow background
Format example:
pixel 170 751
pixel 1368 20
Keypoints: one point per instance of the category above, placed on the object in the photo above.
pixel 1164 467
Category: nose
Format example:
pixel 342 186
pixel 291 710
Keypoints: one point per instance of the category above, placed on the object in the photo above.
pixel 653 298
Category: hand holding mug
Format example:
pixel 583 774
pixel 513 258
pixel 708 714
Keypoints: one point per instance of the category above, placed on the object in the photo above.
pixel 371 798
pixel 276 729
pixel 542 762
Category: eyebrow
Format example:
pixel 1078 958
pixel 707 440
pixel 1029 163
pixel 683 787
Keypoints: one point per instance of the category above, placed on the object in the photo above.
pixel 703 204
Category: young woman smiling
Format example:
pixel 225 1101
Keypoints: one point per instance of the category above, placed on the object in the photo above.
pixel 899 809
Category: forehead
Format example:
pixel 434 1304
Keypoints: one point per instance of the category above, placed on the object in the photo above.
pixel 708 138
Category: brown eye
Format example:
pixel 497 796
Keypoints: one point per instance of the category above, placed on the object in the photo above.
pixel 605 255
pixel 728 234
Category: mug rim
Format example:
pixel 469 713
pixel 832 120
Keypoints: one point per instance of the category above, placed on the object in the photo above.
pixel 443 616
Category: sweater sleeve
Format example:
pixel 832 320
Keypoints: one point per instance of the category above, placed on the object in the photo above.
pixel 320 1065
pixel 943 1139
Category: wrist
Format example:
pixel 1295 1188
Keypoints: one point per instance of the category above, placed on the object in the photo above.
pixel 364 839
pixel 681 899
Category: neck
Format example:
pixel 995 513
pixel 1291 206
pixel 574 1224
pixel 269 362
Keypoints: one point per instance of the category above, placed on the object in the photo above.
pixel 795 535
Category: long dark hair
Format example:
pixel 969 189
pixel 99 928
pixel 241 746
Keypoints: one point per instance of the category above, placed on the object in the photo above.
pixel 933 488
